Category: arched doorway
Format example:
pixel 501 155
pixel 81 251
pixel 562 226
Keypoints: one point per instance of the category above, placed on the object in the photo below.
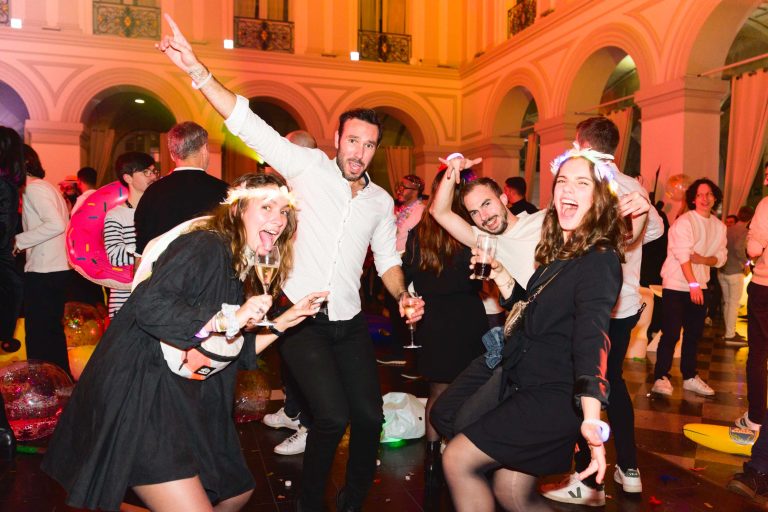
pixel 237 158
pixel 14 112
pixel 125 119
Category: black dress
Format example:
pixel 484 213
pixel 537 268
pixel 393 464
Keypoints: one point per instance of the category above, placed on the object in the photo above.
pixel 131 421
pixel 555 359
pixel 454 318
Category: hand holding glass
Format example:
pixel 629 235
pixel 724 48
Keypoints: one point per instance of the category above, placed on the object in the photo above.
pixel 266 269
pixel 486 252
pixel 410 303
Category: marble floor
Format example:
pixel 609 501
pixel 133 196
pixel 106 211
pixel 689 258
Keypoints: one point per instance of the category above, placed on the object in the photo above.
pixel 677 474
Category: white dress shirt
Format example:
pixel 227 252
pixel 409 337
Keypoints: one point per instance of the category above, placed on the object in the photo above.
pixel 334 228
pixel 44 219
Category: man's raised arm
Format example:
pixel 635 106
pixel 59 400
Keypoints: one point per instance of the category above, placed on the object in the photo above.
pixel 179 51
pixel 441 207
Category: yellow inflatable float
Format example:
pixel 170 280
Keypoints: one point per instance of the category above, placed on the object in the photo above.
pixel 735 440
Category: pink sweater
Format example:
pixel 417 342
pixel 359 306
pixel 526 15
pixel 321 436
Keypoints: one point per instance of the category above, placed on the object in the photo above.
pixel 757 240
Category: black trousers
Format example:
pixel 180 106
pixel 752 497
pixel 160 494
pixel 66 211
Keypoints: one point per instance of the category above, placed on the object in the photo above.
pixel 679 311
pixel 335 367
pixel 621 415
pixel 11 295
pixel 757 336
pixel 295 405
pixel 44 297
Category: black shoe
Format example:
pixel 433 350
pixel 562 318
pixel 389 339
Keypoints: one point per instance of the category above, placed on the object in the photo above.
pixel 752 484
pixel 342 505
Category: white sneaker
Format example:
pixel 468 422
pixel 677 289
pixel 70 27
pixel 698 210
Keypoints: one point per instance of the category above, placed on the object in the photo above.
pixel 629 479
pixel 745 422
pixel 294 445
pixel 573 490
pixel 280 420
pixel 662 386
pixel 698 386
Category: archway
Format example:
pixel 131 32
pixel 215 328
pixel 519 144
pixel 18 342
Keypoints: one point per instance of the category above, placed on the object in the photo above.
pixel 14 112
pixel 125 118
pixel 394 158
pixel 237 158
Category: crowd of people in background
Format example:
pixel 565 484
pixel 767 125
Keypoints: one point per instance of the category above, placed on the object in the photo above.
pixel 570 273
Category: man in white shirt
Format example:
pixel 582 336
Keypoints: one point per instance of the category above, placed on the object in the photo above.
pixel 47 274
pixel 341 213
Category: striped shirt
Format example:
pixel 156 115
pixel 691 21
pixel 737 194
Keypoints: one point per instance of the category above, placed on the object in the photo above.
pixel 120 244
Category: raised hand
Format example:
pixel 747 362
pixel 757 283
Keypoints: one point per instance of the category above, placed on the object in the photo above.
pixel 177 48
pixel 456 165
pixel 634 203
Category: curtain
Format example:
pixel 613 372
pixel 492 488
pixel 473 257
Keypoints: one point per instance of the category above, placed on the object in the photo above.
pixel 369 15
pixel 395 16
pixel 100 153
pixel 246 9
pixel 749 116
pixel 623 121
pixel 398 163
pixel 531 152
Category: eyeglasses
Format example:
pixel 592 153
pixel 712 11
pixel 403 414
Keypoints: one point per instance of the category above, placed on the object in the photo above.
pixel 151 172
pixel 403 187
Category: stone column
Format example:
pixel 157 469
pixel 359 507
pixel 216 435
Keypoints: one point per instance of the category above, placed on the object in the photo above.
pixel 555 136
pixel 58 145
pixel 681 129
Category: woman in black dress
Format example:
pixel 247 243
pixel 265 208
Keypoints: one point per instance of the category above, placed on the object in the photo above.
pixel 552 381
pixel 454 320
pixel 132 421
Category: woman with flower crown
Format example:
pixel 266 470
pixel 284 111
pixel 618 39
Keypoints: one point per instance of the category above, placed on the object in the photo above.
pixel 133 422
pixel 551 371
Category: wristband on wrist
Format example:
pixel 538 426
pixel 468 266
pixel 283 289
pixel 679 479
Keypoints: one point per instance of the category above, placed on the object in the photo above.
pixel 605 429
pixel 202 333
pixel 274 330
pixel 200 84
pixel 232 328
pixel 511 281
pixel 694 285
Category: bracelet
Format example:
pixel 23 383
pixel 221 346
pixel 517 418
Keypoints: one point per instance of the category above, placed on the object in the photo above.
pixel 233 328
pixel 198 85
pixel 274 330
pixel 202 333
pixel 605 429
pixel 454 155
pixel 510 282
pixel 694 285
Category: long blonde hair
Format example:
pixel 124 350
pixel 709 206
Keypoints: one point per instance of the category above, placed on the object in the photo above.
pixel 227 221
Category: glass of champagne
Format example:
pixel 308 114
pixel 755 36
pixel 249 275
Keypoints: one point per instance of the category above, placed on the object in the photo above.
pixel 486 245
pixel 266 269
pixel 409 305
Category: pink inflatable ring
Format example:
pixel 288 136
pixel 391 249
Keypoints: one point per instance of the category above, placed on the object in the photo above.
pixel 85 239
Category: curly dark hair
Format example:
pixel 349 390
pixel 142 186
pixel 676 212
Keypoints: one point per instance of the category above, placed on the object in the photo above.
pixel 602 227
pixel 227 221
pixel 690 193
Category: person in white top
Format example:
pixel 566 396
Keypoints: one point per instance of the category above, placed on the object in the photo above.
pixel 697 241
pixel 341 213
pixel 47 274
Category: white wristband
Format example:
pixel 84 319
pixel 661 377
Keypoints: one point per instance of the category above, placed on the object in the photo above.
pixel 198 85
pixel 694 285
pixel 229 311
pixel 605 430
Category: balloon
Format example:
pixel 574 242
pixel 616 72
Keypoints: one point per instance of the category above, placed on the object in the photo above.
pixel 35 393
pixel 676 186
pixel 252 393
pixel 83 327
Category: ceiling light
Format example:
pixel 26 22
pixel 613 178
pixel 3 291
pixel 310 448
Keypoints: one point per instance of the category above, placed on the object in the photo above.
pixel 15 22
pixel 354 55
pixel 229 44
pixel 139 101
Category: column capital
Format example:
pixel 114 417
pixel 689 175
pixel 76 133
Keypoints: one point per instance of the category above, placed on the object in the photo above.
pixel 52 132
pixel 494 146
pixel 557 129
pixel 687 94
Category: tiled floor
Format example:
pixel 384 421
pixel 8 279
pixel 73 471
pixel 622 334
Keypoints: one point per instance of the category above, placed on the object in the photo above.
pixel 677 474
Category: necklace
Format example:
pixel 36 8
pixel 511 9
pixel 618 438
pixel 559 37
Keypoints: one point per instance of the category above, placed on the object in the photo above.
pixel 404 212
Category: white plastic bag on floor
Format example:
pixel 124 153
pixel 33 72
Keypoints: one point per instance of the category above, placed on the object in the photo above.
pixel 403 417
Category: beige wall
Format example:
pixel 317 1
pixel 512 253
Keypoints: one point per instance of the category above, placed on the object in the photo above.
pixel 465 89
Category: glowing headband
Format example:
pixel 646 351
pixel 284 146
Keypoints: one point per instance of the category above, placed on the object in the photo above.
pixel 265 193
pixel 605 169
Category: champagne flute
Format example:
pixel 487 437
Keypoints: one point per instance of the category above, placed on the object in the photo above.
pixel 409 305
pixel 266 269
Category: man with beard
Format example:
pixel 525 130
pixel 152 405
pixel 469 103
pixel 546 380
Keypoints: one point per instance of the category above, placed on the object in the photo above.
pixel 486 204
pixel 341 213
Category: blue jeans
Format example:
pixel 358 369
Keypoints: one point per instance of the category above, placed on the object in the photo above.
pixel 335 368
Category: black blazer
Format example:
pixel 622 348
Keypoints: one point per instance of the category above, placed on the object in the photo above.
pixel 177 197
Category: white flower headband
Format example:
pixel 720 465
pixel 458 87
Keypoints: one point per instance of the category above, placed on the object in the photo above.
pixel 605 169
pixel 266 193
